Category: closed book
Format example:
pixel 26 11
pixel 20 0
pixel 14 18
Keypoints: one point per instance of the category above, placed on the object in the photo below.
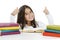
pixel 53 27
pixel 51 34
pixel 9 33
pixel 8 24
pixel 53 31
pixel 9 28
pixel 33 30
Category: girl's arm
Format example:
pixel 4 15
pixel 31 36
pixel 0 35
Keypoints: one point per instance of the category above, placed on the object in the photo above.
pixel 50 19
pixel 49 16
pixel 42 26
pixel 12 16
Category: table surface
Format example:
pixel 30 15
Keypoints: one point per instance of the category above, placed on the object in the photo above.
pixel 28 36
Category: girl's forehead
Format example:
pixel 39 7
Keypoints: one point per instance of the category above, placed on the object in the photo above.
pixel 27 10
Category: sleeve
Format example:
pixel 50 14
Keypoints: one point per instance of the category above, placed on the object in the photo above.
pixel 12 19
pixel 41 25
pixel 50 19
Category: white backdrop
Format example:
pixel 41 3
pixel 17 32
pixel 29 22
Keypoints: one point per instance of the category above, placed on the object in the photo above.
pixel 7 6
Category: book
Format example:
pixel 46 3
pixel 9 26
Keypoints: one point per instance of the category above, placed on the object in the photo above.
pixel 53 31
pixel 9 28
pixel 9 33
pixel 8 24
pixel 51 34
pixel 53 27
pixel 33 30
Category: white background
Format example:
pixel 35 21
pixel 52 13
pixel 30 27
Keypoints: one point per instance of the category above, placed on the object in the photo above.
pixel 7 7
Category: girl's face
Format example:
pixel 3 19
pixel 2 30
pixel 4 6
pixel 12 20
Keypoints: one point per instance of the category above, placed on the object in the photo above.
pixel 29 15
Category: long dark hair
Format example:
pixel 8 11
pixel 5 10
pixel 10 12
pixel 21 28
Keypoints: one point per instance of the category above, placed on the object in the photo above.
pixel 21 17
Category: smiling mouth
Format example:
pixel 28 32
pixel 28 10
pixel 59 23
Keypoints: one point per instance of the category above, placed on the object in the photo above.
pixel 30 18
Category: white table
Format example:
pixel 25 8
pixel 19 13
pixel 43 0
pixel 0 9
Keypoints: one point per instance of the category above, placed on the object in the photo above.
pixel 28 36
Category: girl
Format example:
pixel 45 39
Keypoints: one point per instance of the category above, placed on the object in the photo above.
pixel 26 18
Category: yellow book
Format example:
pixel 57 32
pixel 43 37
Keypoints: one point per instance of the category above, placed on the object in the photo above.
pixel 9 28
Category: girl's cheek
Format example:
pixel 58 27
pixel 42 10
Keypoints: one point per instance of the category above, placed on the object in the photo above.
pixel 26 17
pixel 33 16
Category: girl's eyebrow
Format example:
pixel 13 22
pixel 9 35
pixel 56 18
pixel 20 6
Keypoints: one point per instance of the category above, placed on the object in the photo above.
pixel 26 13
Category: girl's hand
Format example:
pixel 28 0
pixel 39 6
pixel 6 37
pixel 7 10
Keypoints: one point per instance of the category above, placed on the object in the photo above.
pixel 15 11
pixel 46 11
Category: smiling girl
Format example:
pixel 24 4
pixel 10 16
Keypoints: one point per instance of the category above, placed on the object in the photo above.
pixel 26 18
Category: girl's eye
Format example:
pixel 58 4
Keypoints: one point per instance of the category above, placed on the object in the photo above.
pixel 30 11
pixel 26 14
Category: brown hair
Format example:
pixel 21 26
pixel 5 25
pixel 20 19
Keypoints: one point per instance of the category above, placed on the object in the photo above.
pixel 21 17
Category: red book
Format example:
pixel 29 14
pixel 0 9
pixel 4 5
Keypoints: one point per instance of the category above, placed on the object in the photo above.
pixel 51 34
pixel 8 24
pixel 9 33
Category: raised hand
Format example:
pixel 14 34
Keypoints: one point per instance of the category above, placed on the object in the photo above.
pixel 46 11
pixel 15 11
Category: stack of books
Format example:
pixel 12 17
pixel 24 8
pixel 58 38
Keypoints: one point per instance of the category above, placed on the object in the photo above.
pixel 52 30
pixel 9 29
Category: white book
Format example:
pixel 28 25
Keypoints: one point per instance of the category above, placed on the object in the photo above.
pixel 33 30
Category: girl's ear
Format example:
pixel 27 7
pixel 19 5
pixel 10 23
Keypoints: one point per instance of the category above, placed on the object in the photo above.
pixel 15 11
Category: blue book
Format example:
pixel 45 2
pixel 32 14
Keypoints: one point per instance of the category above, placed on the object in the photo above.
pixel 53 31
pixel 9 30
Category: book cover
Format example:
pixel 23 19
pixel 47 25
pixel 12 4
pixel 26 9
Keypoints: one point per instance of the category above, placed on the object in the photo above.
pixel 9 33
pixel 51 34
pixel 9 28
pixel 8 24
pixel 33 30
pixel 53 31
pixel 53 27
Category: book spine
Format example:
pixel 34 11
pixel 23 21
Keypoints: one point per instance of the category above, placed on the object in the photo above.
pixel 53 31
pixel 51 34
pixel 53 27
pixel 8 24
pixel 9 28
pixel 9 33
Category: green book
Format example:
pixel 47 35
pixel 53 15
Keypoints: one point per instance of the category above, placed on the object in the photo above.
pixel 53 27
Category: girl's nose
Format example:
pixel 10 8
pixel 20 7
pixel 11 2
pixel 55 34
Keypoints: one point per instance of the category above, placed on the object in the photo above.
pixel 30 14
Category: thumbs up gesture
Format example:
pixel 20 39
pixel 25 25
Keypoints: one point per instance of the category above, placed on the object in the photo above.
pixel 46 11
pixel 15 11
